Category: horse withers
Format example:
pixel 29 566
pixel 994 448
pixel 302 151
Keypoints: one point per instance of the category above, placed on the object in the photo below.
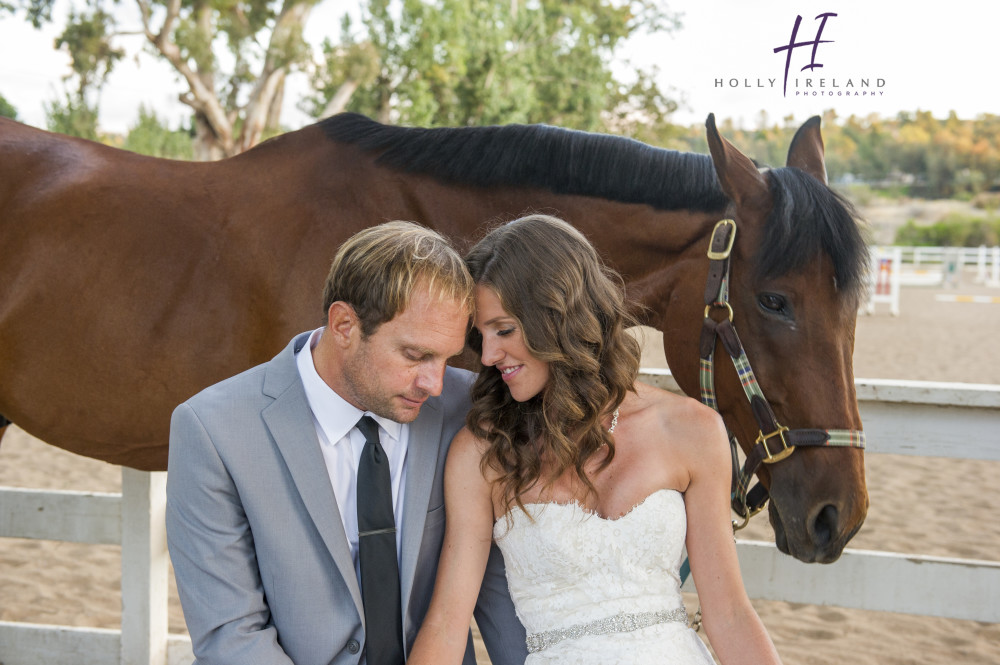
pixel 129 283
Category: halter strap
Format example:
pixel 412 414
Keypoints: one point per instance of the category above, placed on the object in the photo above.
pixel 774 441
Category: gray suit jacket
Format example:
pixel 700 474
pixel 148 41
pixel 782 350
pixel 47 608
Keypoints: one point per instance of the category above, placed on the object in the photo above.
pixel 259 552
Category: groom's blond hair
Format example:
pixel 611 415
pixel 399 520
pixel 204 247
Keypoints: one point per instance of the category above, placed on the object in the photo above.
pixel 376 270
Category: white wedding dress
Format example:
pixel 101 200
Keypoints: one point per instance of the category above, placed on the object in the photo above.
pixel 595 591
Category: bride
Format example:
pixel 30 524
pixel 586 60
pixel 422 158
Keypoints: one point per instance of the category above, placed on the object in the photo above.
pixel 589 482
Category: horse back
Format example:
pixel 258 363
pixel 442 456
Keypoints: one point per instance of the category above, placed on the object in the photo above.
pixel 127 283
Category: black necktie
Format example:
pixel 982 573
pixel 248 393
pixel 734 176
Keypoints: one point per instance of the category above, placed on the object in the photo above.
pixel 377 552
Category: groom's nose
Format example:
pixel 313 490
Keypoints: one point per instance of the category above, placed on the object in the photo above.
pixel 430 379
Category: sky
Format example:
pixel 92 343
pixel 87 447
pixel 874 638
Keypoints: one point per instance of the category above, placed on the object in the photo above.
pixel 874 57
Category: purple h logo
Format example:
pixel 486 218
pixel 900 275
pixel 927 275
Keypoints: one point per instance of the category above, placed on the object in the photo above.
pixel 792 44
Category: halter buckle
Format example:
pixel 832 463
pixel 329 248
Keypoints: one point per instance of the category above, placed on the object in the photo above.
pixel 724 254
pixel 785 451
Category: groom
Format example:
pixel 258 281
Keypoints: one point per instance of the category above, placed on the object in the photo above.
pixel 305 508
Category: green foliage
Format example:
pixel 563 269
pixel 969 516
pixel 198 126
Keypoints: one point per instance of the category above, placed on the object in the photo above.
pixel 87 38
pixel 233 55
pixel 642 111
pixel 73 116
pixel 149 136
pixel 38 11
pixel 859 194
pixel 953 231
pixel 483 62
pixel 7 109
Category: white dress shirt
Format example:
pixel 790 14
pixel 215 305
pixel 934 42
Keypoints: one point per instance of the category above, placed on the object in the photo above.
pixel 342 443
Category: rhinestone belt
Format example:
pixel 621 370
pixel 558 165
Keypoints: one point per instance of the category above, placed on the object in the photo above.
pixel 623 622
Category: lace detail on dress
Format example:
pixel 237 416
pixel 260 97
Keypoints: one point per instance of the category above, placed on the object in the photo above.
pixel 570 568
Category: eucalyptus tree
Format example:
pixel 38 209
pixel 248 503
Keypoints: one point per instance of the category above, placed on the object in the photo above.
pixel 233 56
pixel 477 62
pixel 431 62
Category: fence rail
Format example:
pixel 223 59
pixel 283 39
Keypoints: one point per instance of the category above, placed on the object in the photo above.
pixel 134 519
pixel 966 256
pixel 901 417
pixel 946 260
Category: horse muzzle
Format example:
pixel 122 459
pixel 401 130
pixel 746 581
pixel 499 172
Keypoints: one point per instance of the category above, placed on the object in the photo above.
pixel 809 528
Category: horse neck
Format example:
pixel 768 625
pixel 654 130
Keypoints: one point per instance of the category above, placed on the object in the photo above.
pixel 660 255
pixel 646 245
pixel 654 250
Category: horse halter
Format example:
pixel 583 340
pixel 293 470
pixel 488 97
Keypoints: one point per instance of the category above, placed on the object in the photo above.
pixel 774 441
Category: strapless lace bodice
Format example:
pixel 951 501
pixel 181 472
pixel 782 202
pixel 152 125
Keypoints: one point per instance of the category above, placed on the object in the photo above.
pixel 571 573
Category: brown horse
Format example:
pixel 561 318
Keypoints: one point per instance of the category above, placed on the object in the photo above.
pixel 129 283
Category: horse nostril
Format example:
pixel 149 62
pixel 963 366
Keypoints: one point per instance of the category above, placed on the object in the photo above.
pixel 825 525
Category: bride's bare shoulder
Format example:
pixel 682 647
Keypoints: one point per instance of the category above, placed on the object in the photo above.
pixel 681 424
pixel 467 454
pixel 673 409
pixel 466 443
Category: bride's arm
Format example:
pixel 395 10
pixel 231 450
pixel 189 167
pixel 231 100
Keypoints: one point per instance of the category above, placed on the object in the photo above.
pixel 468 534
pixel 736 632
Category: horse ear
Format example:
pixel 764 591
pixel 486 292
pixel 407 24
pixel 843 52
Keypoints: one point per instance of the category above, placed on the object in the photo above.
pixel 740 179
pixel 806 151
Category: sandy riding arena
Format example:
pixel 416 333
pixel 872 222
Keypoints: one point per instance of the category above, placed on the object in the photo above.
pixel 930 506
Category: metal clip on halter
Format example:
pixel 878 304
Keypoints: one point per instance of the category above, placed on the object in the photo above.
pixel 785 451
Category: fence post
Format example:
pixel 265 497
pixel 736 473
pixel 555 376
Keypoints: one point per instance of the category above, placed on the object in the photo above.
pixel 144 568
pixel 995 270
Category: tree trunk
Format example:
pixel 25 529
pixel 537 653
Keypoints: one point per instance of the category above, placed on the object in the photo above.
pixel 273 123
pixel 207 147
pixel 340 99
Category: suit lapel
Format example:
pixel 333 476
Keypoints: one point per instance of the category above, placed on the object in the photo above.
pixel 422 454
pixel 291 424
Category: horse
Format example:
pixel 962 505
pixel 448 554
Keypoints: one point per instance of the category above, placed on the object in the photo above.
pixel 129 283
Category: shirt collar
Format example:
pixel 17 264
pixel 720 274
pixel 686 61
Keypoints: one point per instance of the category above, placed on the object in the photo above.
pixel 335 415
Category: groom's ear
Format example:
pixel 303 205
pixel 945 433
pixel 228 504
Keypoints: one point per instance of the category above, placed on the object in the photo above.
pixel 342 325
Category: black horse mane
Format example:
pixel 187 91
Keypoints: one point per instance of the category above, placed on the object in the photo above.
pixel 564 161
pixel 807 217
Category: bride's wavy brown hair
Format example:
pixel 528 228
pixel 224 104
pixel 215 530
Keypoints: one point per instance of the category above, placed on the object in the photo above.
pixel 572 312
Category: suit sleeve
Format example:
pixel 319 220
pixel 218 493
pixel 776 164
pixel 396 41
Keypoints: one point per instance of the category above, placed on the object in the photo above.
pixel 212 551
pixel 502 632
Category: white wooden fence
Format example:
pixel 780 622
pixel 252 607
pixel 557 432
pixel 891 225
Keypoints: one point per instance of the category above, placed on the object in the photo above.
pixel 895 266
pixel 135 520
pixel 910 418
pixel 985 259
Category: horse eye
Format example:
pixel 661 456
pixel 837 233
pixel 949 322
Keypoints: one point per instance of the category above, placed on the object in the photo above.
pixel 772 302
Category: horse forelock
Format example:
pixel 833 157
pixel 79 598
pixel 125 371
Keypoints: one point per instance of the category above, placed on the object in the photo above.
pixel 563 161
pixel 808 219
